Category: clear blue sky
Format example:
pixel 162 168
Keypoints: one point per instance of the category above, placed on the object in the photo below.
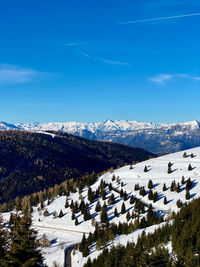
pixel 83 61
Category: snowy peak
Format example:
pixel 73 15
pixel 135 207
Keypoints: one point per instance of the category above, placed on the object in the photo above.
pixel 104 126
pixel 157 138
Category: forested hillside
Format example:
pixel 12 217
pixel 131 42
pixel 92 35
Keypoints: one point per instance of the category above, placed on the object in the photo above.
pixel 150 250
pixel 30 162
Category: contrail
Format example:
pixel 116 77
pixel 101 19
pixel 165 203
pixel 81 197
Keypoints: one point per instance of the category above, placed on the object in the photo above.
pixel 162 18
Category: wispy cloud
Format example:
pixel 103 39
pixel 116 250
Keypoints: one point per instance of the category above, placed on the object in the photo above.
pixel 71 44
pixel 160 18
pixel 105 60
pixel 162 78
pixel 10 74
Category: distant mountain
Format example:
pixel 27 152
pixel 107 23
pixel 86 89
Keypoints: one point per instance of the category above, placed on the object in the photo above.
pixel 30 162
pixel 157 138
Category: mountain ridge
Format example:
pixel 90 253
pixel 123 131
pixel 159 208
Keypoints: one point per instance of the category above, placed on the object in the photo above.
pixel 155 137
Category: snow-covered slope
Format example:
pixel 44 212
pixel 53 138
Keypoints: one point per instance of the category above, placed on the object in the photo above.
pixel 64 231
pixel 157 138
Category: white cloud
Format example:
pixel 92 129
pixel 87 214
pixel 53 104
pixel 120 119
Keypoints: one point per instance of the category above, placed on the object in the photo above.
pixel 10 74
pixel 161 18
pixel 74 44
pixel 105 60
pixel 162 78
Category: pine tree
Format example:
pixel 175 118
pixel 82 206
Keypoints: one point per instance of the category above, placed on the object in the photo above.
pixel 73 216
pixel 103 215
pixel 169 164
pixel 111 200
pixel 155 196
pixel 128 216
pixel 165 201
pixel 61 214
pixel 142 191
pixel 66 203
pixel 178 189
pixel 169 169
pixel 24 250
pixel 150 184
pixel 189 167
pixel 132 200
pixel 185 155
pixel 179 203
pixel 145 169
pixel 125 196
pixel 150 196
pixel 187 195
pixel 55 214
pixel 136 187
pixel 46 213
pixel 121 193
pixel 164 187
pixel 98 206
pixel 123 208
pixel 116 213
pixel 76 221
pixel 3 241
pixel 182 180
pixel 188 184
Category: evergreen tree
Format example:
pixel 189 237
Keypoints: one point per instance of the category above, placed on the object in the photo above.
pixel 116 213
pixel 61 214
pixel 76 221
pixel 111 200
pixel 187 195
pixel 121 193
pixel 155 196
pixel 165 201
pixel 136 187
pixel 150 184
pixel 182 180
pixel 125 196
pixel 188 184
pixel 189 167
pixel 123 208
pixel 142 191
pixel 73 216
pixel 55 214
pixel 24 249
pixel 98 206
pixel 3 241
pixel 150 196
pixel 169 170
pixel 128 216
pixel 185 155
pixel 66 203
pixel 164 187
pixel 132 200
pixel 169 164
pixel 179 203
pixel 104 215
pixel 145 169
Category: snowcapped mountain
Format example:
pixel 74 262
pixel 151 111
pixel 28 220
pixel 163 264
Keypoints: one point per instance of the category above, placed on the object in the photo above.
pixel 157 138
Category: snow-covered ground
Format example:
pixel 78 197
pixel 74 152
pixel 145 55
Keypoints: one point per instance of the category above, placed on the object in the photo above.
pixel 63 230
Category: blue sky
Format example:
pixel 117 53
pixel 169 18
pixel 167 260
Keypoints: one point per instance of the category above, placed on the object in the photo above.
pixel 92 60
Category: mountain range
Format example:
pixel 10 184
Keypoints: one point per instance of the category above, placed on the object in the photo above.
pixel 157 138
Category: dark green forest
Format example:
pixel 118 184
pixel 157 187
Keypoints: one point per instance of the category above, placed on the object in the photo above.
pixel 150 251
pixel 30 162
